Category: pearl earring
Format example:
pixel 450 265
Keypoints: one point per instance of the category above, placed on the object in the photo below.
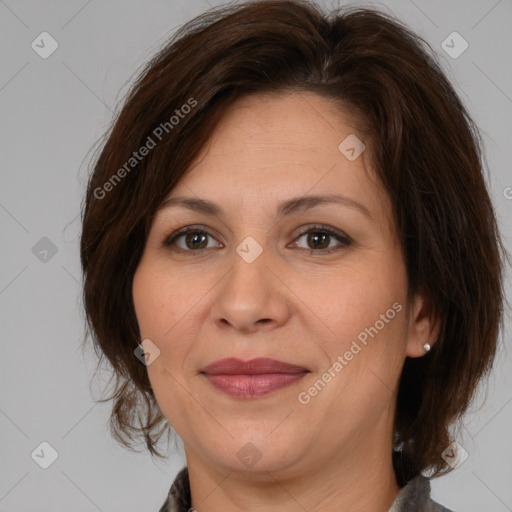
pixel 426 347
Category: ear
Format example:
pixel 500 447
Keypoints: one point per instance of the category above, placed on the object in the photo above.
pixel 424 325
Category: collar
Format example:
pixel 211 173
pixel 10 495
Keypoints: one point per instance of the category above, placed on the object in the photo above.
pixel 413 497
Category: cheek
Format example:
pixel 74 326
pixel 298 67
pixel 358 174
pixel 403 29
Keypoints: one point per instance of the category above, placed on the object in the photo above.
pixel 154 297
pixel 144 296
pixel 161 305
pixel 366 314
pixel 356 298
pixel 365 349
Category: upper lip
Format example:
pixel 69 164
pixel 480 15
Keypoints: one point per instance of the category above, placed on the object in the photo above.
pixel 258 366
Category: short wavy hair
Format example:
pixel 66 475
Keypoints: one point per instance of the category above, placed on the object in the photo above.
pixel 425 149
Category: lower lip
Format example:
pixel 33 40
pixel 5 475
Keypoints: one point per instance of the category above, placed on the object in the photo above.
pixel 253 386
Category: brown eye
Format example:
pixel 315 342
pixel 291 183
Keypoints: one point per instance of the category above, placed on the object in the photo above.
pixel 319 238
pixel 189 239
pixel 196 240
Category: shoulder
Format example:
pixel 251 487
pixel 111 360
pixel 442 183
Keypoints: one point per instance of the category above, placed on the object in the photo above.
pixel 436 507
pixel 178 498
pixel 415 497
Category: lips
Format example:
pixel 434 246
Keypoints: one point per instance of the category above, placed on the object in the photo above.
pixel 261 365
pixel 254 378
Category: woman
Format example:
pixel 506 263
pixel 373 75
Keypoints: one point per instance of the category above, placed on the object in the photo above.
pixel 290 257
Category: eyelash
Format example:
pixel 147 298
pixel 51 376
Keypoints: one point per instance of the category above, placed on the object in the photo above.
pixel 344 240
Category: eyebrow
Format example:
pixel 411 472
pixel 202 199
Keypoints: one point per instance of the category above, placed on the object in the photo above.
pixel 286 208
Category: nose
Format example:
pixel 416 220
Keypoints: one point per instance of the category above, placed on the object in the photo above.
pixel 251 296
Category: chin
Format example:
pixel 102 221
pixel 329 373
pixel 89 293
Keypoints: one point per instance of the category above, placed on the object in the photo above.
pixel 260 453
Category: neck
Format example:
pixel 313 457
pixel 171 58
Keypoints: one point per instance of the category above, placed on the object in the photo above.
pixel 361 480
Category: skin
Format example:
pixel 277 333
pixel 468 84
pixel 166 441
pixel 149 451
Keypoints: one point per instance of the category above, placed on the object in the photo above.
pixel 290 304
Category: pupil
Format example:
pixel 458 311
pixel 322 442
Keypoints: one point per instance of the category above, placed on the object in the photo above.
pixel 194 238
pixel 317 236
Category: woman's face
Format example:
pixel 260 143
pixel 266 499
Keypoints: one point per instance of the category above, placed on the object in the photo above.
pixel 259 280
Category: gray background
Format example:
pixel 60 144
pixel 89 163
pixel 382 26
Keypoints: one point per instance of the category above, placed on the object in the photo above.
pixel 52 111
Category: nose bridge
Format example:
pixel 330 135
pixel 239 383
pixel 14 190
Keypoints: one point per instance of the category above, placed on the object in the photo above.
pixel 249 293
pixel 249 267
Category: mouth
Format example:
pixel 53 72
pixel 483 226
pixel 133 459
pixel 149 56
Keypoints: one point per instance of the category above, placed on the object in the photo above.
pixel 254 378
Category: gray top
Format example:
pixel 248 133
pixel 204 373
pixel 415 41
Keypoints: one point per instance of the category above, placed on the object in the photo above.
pixel 413 497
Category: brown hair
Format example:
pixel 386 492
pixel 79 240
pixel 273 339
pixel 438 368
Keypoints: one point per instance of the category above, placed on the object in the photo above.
pixel 425 149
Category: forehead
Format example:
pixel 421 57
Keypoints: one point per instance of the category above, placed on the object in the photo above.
pixel 268 147
pixel 301 122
